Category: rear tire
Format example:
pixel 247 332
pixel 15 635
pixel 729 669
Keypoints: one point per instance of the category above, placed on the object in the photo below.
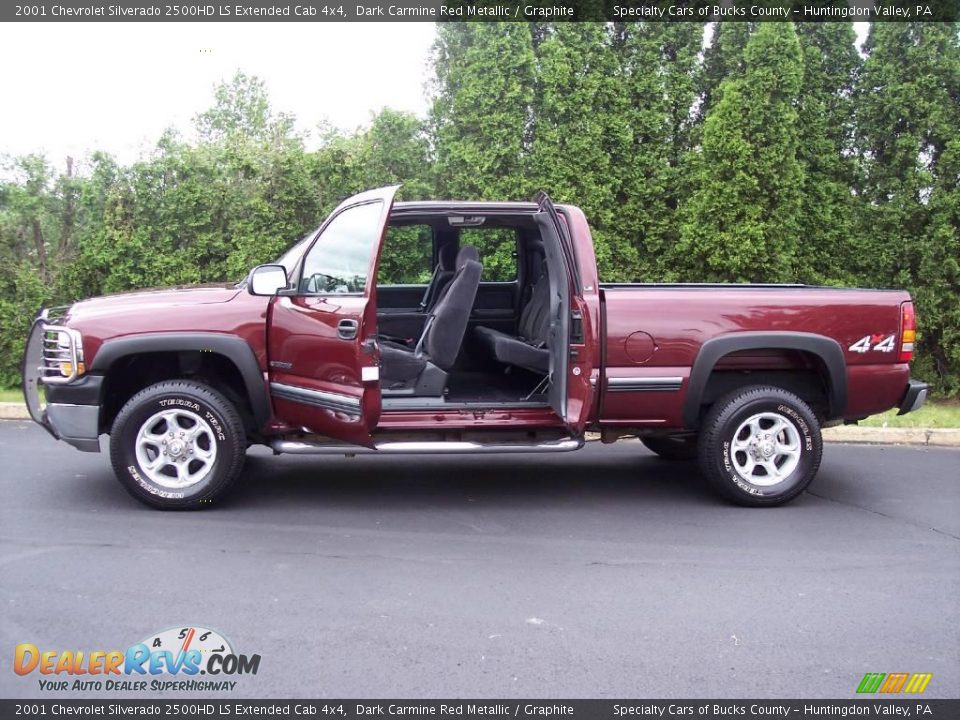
pixel 676 449
pixel 177 445
pixel 760 446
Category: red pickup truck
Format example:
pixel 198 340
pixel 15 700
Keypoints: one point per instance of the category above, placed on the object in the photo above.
pixel 312 355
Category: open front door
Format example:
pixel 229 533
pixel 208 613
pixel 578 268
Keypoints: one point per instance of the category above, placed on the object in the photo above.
pixel 571 366
pixel 321 332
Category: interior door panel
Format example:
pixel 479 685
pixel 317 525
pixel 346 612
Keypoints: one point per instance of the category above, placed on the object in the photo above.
pixel 398 311
pixel 399 297
pixel 496 306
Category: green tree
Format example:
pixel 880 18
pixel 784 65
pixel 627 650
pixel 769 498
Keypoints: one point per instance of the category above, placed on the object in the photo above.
pixel 826 151
pixel 242 108
pixel 649 135
pixel 742 222
pixel 393 150
pixel 38 219
pixel 481 115
pixel 722 60
pixel 908 113
pixel 572 156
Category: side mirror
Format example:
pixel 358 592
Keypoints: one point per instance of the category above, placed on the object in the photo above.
pixel 267 279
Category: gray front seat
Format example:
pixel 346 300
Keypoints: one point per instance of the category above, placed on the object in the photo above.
pixel 442 274
pixel 421 370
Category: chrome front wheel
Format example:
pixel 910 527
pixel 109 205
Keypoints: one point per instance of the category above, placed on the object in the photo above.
pixel 176 448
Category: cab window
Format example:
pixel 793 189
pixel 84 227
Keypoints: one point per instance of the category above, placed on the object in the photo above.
pixel 407 256
pixel 498 251
pixel 339 261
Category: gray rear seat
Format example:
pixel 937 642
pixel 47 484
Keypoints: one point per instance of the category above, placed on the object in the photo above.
pixel 528 350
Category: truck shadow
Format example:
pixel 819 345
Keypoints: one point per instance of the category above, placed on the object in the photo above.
pixel 589 476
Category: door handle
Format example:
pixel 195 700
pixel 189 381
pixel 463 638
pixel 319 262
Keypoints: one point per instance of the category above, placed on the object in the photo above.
pixel 347 329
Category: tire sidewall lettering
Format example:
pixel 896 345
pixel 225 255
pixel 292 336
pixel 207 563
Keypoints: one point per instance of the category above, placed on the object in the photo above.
pixel 798 423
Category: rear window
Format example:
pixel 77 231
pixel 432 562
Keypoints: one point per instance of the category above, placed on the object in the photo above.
pixel 407 256
pixel 498 251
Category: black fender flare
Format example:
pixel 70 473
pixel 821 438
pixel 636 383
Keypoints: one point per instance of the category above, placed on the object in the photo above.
pixel 235 349
pixel 825 348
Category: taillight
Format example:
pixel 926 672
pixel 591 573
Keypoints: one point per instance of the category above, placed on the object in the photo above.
pixel 908 331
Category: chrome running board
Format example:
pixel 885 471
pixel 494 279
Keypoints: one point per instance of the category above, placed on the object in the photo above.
pixel 444 447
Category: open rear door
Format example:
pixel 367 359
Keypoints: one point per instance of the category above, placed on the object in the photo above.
pixel 571 366
pixel 323 353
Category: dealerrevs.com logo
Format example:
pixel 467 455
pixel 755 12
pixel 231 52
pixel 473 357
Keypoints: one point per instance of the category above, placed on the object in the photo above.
pixel 170 660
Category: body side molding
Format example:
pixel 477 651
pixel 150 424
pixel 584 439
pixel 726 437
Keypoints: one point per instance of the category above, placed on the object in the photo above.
pixel 825 348
pixel 308 396
pixel 235 349
pixel 644 384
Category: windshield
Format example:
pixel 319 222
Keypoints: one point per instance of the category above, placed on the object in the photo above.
pixel 292 256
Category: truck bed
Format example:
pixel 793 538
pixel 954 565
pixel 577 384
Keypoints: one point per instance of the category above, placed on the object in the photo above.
pixel 652 334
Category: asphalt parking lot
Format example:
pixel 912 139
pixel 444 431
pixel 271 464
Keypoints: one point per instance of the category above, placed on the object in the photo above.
pixel 605 573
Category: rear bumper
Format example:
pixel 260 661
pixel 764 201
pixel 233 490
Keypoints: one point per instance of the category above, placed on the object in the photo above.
pixel 914 397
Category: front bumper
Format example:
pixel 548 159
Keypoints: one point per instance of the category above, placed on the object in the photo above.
pixel 914 397
pixel 72 410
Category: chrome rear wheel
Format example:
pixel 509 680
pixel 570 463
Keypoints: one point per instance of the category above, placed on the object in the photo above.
pixel 766 449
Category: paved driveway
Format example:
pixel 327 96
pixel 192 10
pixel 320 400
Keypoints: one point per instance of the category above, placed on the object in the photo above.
pixel 604 573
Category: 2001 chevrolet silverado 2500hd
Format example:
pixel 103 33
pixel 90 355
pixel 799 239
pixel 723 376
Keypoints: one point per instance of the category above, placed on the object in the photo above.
pixel 312 355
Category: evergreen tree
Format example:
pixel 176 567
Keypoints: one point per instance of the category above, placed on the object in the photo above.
pixel 722 60
pixel 908 113
pixel 481 114
pixel 578 110
pixel 649 139
pixel 636 146
pixel 742 221
pixel 826 151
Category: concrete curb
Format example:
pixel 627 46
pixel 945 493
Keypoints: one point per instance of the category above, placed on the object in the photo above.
pixel 13 411
pixel 937 437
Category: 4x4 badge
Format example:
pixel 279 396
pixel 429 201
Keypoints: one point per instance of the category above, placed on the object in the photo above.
pixel 879 343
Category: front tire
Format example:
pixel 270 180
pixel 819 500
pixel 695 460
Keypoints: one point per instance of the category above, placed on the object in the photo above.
pixel 760 446
pixel 177 445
